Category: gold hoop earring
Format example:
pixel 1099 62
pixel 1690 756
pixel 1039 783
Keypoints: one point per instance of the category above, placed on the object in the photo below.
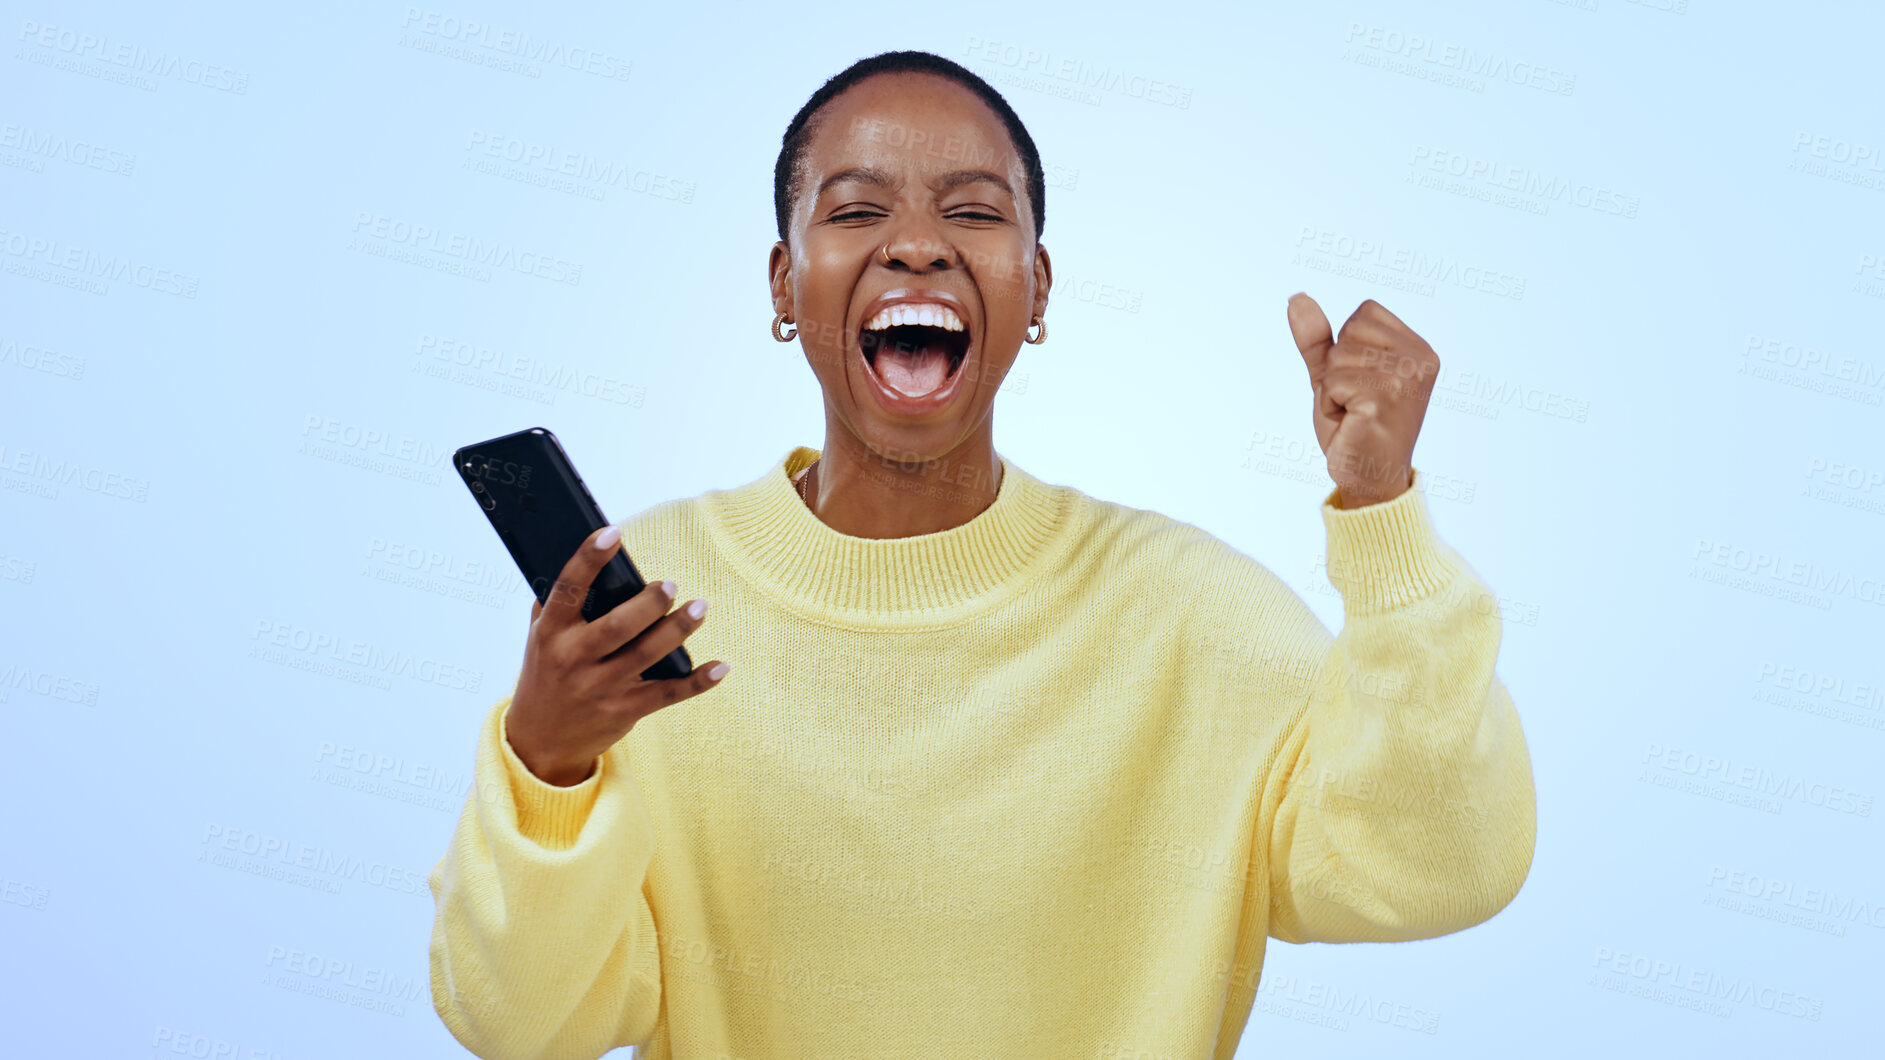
pixel 1042 337
pixel 883 252
pixel 780 319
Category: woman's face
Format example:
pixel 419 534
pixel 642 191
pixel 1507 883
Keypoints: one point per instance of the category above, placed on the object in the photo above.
pixel 911 267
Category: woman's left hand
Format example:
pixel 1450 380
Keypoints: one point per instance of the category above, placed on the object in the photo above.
pixel 1371 384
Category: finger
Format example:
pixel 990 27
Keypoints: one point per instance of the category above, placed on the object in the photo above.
pixel 657 640
pixel 647 697
pixel 1358 372
pixel 536 608
pixel 1361 330
pixel 1326 405
pixel 1378 343
pixel 1373 312
pixel 1358 359
pixel 1309 326
pixel 564 608
pixel 1359 393
pixel 624 622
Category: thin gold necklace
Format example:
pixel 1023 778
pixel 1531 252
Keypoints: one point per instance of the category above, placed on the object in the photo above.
pixel 805 484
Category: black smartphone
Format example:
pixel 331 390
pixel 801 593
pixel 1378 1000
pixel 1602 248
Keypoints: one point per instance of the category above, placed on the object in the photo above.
pixel 543 512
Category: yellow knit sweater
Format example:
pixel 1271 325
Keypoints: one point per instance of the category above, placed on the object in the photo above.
pixel 1039 785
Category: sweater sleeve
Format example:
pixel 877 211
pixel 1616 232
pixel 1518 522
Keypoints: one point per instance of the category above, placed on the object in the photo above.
pixel 1401 804
pixel 543 944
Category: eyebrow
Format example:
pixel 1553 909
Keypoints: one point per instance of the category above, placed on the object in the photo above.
pixel 970 176
pixel 862 174
pixel 953 179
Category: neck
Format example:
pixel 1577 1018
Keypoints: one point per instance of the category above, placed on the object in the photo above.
pixel 864 493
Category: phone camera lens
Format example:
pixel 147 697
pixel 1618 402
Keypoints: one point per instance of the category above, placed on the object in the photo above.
pixel 476 486
pixel 489 502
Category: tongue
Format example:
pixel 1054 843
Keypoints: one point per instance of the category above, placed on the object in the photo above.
pixel 914 373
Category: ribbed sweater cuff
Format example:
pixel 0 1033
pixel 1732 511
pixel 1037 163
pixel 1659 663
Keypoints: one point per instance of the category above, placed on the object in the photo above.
pixel 547 815
pixel 1386 555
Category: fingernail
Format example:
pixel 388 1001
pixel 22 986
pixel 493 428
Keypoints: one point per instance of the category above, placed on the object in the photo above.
pixel 716 671
pixel 608 537
pixel 669 588
pixel 697 609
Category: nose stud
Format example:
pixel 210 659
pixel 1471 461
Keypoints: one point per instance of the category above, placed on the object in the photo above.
pixel 884 253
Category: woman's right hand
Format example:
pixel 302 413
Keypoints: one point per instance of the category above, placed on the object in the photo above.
pixel 571 702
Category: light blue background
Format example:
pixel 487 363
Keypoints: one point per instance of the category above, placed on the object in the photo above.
pixel 180 480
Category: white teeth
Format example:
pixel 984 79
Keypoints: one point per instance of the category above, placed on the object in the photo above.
pixel 933 314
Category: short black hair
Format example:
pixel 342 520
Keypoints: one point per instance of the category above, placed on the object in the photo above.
pixel 786 184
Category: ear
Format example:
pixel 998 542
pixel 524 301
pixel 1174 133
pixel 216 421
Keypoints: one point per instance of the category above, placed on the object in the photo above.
pixel 779 278
pixel 1043 280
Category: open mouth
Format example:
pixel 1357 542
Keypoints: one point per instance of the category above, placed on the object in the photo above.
pixel 915 348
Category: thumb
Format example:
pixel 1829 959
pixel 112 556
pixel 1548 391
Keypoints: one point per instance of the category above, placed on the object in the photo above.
pixel 1312 332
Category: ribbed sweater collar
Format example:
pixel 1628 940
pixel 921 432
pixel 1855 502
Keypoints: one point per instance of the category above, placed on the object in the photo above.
pixel 768 534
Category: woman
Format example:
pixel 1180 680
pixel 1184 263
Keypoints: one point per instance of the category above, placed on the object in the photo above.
pixel 1008 770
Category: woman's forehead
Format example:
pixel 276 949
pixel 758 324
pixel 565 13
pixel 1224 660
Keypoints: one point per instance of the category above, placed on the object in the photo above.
pixel 912 117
